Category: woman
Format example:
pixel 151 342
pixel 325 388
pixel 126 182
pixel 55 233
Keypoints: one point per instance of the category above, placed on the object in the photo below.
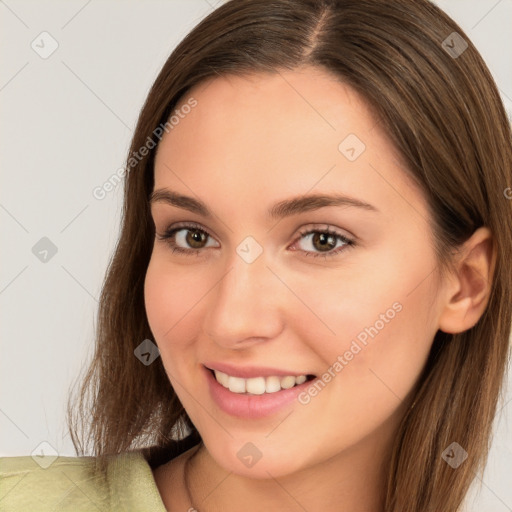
pixel 309 306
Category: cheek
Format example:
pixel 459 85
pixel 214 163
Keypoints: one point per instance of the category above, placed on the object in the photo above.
pixel 170 296
pixel 380 302
pixel 383 325
pixel 169 300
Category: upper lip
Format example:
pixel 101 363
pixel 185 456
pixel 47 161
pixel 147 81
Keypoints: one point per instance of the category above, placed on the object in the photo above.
pixel 247 372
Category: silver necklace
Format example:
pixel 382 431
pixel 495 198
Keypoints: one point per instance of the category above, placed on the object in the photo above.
pixel 185 479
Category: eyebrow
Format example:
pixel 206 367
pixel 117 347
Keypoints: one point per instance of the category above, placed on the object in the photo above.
pixel 279 210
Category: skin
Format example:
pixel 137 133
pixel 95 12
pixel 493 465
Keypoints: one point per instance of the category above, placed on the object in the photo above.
pixel 289 310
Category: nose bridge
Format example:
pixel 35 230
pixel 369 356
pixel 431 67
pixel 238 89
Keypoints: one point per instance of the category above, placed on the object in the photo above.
pixel 245 303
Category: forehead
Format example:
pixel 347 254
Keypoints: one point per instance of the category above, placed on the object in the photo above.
pixel 280 134
pixel 273 107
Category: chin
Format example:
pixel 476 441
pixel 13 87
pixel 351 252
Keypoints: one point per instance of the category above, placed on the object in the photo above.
pixel 258 460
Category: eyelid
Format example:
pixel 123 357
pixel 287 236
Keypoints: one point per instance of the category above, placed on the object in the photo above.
pixel 189 225
pixel 324 227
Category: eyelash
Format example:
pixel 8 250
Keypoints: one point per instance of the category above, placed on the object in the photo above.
pixel 168 236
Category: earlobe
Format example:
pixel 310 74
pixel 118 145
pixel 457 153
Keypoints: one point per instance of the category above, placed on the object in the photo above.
pixel 468 293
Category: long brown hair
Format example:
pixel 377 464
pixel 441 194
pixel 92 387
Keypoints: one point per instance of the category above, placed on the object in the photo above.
pixel 442 110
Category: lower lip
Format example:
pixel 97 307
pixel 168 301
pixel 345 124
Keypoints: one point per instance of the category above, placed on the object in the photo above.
pixel 251 406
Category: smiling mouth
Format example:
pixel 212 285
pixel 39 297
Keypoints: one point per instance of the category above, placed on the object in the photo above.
pixel 259 385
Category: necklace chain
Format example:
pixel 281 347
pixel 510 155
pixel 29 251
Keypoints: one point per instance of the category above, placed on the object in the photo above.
pixel 185 477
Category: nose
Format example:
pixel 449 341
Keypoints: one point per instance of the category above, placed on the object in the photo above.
pixel 247 306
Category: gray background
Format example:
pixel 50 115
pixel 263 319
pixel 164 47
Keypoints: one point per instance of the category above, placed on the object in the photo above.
pixel 66 125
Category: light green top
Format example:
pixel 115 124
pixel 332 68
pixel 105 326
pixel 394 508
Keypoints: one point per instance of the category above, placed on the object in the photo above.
pixel 65 485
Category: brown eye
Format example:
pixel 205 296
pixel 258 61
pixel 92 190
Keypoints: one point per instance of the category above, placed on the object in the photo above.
pixel 195 238
pixel 186 239
pixel 324 242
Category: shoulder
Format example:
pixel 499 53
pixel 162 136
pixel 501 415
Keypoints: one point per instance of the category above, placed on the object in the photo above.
pixel 74 484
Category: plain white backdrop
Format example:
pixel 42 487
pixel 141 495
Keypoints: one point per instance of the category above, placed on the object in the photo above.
pixel 73 77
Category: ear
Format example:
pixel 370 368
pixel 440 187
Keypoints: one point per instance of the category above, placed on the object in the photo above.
pixel 467 294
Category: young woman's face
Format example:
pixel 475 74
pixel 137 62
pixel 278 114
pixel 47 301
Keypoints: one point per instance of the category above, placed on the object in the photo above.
pixel 263 291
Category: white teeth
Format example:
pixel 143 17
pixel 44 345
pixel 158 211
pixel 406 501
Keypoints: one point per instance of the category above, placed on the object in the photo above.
pixel 258 385
pixel 287 382
pixel 300 379
pixel 223 378
pixel 272 384
pixel 236 385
